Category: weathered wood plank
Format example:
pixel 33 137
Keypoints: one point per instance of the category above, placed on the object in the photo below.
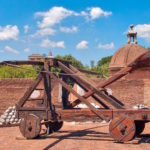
pixel 47 89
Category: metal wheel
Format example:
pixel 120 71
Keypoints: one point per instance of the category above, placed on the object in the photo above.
pixel 140 125
pixel 30 126
pixel 54 126
pixel 122 129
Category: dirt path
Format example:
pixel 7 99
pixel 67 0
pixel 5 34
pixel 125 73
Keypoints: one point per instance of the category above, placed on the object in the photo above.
pixel 70 137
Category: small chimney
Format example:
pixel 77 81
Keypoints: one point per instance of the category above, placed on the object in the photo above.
pixel 132 34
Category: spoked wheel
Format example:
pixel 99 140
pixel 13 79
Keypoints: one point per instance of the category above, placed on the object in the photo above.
pixel 30 126
pixel 122 129
pixel 53 126
pixel 140 125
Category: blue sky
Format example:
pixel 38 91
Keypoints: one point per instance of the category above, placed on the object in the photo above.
pixel 87 29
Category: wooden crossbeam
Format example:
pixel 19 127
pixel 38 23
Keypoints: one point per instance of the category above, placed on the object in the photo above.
pixel 90 87
pixel 29 91
pixel 84 87
pixel 103 84
pixel 89 72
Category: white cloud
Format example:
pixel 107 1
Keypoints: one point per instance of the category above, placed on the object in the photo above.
pixel 9 32
pixel 44 32
pixel 84 14
pixel 11 50
pixel 82 45
pixel 26 29
pixel 49 19
pixel 97 12
pixel 52 44
pixel 69 30
pixel 106 46
pixel 54 16
pixel 27 50
pixel 143 31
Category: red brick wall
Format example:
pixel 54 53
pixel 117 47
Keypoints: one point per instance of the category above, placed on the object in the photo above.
pixel 11 90
pixel 128 91
pixel 141 73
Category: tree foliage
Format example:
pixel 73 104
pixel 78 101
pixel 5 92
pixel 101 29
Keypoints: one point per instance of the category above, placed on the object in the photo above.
pixel 27 71
pixel 103 64
pixel 75 62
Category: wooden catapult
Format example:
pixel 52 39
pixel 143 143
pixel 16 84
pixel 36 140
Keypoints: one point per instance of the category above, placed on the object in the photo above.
pixel 125 123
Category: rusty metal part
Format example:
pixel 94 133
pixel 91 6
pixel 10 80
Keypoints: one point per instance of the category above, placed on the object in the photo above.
pixel 30 126
pixel 53 126
pixel 122 128
pixel 140 125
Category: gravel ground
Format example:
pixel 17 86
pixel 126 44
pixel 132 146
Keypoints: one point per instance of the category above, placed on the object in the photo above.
pixel 70 137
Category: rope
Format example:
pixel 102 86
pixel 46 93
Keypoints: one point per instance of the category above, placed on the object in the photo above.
pixel 64 74
pixel 17 66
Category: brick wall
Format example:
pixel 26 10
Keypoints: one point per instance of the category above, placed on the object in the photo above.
pixel 129 91
pixel 11 90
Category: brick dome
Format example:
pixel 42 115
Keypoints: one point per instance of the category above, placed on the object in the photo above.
pixel 125 55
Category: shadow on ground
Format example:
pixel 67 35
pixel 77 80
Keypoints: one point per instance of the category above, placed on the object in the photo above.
pixel 87 134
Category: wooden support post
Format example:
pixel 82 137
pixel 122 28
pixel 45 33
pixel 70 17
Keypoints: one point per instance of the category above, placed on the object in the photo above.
pixel 47 89
pixel 65 94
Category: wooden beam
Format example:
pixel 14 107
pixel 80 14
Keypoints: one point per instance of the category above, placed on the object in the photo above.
pixel 29 91
pixel 47 89
pixel 102 84
pixel 89 72
pixel 85 84
pixel 84 87
pixel 24 62
pixel 35 99
pixel 31 109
